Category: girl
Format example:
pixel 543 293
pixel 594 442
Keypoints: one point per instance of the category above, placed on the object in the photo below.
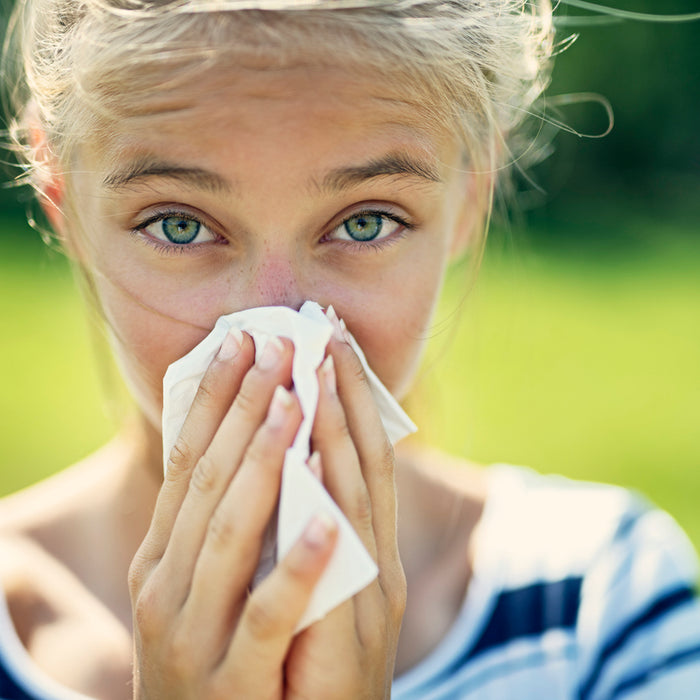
pixel 198 158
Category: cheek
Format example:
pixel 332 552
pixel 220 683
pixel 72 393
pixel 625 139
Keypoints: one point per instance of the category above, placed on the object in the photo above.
pixel 189 295
pixel 145 343
pixel 391 327
pixel 392 352
pixel 155 316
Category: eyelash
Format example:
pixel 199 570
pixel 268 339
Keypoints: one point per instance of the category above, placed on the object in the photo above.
pixel 164 248
pixel 372 245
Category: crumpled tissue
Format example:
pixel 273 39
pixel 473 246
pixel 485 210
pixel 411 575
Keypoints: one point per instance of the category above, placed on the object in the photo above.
pixel 301 495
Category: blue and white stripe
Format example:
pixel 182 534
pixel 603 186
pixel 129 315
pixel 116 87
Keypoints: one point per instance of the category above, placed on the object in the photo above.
pixel 580 592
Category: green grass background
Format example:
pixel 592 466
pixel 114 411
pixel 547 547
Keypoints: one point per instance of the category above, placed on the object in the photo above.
pixel 580 360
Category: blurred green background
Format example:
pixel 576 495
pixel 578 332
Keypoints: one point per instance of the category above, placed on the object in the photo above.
pixel 577 350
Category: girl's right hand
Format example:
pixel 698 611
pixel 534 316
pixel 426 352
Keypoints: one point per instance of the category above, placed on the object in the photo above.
pixel 189 581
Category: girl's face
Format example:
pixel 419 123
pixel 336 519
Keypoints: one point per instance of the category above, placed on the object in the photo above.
pixel 255 188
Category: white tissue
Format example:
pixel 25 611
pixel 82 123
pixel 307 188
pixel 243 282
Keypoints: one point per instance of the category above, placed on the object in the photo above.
pixel 301 496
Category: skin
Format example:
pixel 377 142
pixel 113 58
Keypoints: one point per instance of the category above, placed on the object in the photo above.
pixel 270 165
pixel 272 215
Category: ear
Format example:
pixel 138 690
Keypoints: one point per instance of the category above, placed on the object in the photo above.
pixel 474 202
pixel 49 182
pixel 51 187
pixel 51 198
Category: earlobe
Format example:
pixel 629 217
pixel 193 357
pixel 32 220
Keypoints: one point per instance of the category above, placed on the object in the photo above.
pixel 53 203
pixel 51 200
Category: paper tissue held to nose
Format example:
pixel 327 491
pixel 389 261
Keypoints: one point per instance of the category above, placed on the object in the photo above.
pixel 301 495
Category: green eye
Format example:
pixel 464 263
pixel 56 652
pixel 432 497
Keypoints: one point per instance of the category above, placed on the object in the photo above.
pixel 178 229
pixel 364 227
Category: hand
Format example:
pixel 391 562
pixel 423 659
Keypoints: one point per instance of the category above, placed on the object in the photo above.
pixel 350 654
pixel 199 633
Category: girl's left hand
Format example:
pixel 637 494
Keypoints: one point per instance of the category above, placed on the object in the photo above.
pixel 351 652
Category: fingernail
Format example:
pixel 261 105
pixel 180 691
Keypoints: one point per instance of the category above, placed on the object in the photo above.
pixel 271 354
pixel 332 316
pixel 328 374
pixel 231 345
pixel 314 465
pixel 279 407
pixel 318 532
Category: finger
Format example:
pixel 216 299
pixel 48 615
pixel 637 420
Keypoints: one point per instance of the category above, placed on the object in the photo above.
pixel 329 644
pixel 386 597
pixel 220 462
pixel 259 646
pixel 217 389
pixel 236 531
pixel 342 471
pixel 375 451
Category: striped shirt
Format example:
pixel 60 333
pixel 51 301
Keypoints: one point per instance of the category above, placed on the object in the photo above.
pixel 579 592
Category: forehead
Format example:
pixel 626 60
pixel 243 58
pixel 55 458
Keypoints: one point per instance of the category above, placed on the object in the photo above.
pixel 305 110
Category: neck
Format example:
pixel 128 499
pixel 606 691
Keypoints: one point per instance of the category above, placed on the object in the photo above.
pixel 440 503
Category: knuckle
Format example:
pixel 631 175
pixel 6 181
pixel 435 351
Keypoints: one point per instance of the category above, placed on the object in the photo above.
pixel 362 508
pixel 358 371
pixel 339 425
pixel 207 391
pixel 353 365
pixel 225 530
pixel 246 399
pixel 221 530
pixel 266 452
pixel 205 475
pixel 399 596
pixel 261 619
pixel 395 591
pixel 180 459
pixel 148 617
pixel 260 449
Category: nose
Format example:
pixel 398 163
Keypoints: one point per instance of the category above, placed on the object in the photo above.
pixel 276 280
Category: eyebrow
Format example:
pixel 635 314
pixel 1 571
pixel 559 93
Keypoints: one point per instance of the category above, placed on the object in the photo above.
pixel 386 166
pixel 334 181
pixel 145 168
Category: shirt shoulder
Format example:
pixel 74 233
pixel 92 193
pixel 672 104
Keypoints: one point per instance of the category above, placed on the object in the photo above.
pixel 538 527
pixel 581 591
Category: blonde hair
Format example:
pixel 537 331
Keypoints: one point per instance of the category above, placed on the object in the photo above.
pixel 475 65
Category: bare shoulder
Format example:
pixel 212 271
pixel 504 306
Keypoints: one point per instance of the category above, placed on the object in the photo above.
pixel 45 504
pixel 74 514
pixel 67 633
pixel 40 541
pixel 64 589
pixel 29 576
pixel 33 527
